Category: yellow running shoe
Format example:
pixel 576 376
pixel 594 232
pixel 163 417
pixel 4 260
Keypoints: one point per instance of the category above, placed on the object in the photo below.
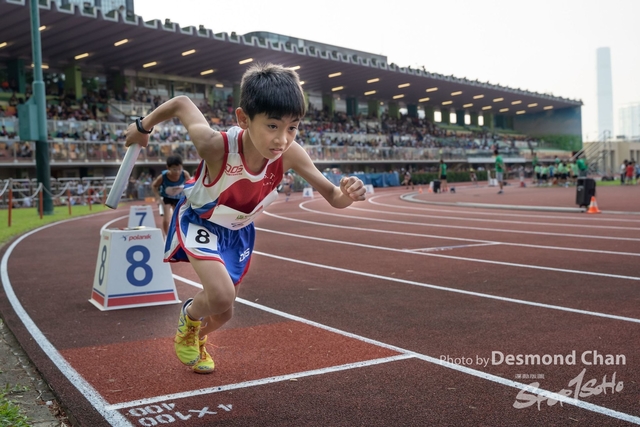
pixel 205 365
pixel 186 339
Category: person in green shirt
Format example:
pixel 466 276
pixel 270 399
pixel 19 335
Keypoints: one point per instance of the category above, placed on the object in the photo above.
pixel 582 167
pixel 562 174
pixel 499 169
pixel 443 177
pixel 574 172
pixel 544 174
pixel 538 170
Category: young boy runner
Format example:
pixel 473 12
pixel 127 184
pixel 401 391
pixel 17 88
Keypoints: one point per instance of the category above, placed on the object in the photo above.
pixel 168 188
pixel 212 227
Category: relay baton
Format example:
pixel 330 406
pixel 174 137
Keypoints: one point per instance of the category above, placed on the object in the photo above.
pixel 122 177
pixel 161 209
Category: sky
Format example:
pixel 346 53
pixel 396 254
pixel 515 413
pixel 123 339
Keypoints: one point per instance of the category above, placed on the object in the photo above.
pixel 542 46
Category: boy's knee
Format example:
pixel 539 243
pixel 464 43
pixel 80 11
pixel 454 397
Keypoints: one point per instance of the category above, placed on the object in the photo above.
pixel 220 302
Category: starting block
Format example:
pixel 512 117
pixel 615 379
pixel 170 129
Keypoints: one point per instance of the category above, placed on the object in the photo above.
pixel 130 271
pixel 141 216
pixel 369 189
pixel 307 192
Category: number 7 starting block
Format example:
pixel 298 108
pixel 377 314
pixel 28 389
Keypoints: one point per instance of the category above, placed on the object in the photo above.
pixel 141 216
pixel 130 271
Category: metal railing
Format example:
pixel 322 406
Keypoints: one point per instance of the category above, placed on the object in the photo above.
pixel 63 151
pixel 597 155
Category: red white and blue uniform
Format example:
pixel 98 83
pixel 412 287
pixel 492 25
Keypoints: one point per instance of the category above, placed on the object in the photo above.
pixel 214 220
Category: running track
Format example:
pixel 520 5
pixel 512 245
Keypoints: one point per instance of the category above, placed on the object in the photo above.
pixel 386 313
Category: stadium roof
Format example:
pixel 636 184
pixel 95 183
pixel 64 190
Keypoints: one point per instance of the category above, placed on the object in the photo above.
pixel 75 31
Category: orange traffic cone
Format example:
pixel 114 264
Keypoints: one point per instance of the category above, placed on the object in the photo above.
pixel 430 190
pixel 593 207
pixel 420 189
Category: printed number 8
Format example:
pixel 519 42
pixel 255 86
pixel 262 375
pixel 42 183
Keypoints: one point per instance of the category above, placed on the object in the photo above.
pixel 103 259
pixel 148 272
pixel 202 237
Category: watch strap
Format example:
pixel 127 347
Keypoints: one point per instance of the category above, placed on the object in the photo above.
pixel 140 128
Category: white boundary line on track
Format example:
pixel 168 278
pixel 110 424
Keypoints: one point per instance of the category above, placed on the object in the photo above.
pixel 500 221
pixel 116 419
pixel 462 239
pixel 77 380
pixel 461 227
pixel 454 290
pixel 408 354
pixel 497 212
pixel 459 258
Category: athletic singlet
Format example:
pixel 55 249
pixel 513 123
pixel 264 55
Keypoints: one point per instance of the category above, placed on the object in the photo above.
pixel 236 196
pixel 172 189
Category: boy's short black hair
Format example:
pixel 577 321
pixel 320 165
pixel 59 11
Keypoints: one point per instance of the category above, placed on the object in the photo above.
pixel 174 160
pixel 495 152
pixel 273 90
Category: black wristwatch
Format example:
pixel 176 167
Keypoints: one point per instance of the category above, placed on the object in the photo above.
pixel 140 128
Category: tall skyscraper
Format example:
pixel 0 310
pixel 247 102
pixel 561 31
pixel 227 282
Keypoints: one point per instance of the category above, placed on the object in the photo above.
pixel 605 93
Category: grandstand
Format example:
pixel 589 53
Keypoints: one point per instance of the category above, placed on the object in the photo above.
pixel 103 67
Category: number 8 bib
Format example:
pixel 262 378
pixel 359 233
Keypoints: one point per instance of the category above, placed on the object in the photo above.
pixel 198 237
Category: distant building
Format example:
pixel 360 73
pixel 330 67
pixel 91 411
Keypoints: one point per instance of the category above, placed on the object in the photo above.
pixel 105 5
pixel 605 93
pixel 629 121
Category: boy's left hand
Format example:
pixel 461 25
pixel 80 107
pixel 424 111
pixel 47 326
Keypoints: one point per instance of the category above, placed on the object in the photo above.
pixel 353 188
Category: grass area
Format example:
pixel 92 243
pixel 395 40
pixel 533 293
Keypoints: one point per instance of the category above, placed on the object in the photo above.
pixel 25 219
pixel 608 183
pixel 10 413
pixel 22 221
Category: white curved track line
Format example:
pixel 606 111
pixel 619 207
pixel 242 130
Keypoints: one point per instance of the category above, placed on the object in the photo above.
pixel 460 227
pixel 477 211
pixel 89 393
pixel 458 258
pixel 454 290
pixel 500 221
pixel 405 353
pixel 104 227
pixel 462 239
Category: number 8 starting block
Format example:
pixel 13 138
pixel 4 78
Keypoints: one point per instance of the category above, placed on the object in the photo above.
pixel 130 271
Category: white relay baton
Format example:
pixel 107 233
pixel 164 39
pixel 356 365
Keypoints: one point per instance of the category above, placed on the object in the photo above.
pixel 123 175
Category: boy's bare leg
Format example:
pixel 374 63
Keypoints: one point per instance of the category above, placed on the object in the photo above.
pixel 166 218
pixel 217 294
pixel 212 323
pixel 209 309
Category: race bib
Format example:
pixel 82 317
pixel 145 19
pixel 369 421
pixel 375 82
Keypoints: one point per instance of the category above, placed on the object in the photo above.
pixel 198 237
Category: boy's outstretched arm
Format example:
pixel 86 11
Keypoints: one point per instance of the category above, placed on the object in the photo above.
pixel 351 189
pixel 191 117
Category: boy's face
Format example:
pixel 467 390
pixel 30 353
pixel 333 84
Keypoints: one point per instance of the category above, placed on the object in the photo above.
pixel 271 136
pixel 174 171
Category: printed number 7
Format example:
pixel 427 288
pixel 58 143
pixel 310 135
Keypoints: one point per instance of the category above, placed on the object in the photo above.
pixel 142 215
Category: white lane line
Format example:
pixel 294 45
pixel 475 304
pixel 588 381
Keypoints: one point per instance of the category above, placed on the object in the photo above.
pixel 259 382
pixel 407 353
pixel 499 221
pixel 104 227
pixel 444 248
pixel 454 290
pixel 461 227
pixel 580 217
pixel 89 393
pixel 461 239
pixel 459 258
